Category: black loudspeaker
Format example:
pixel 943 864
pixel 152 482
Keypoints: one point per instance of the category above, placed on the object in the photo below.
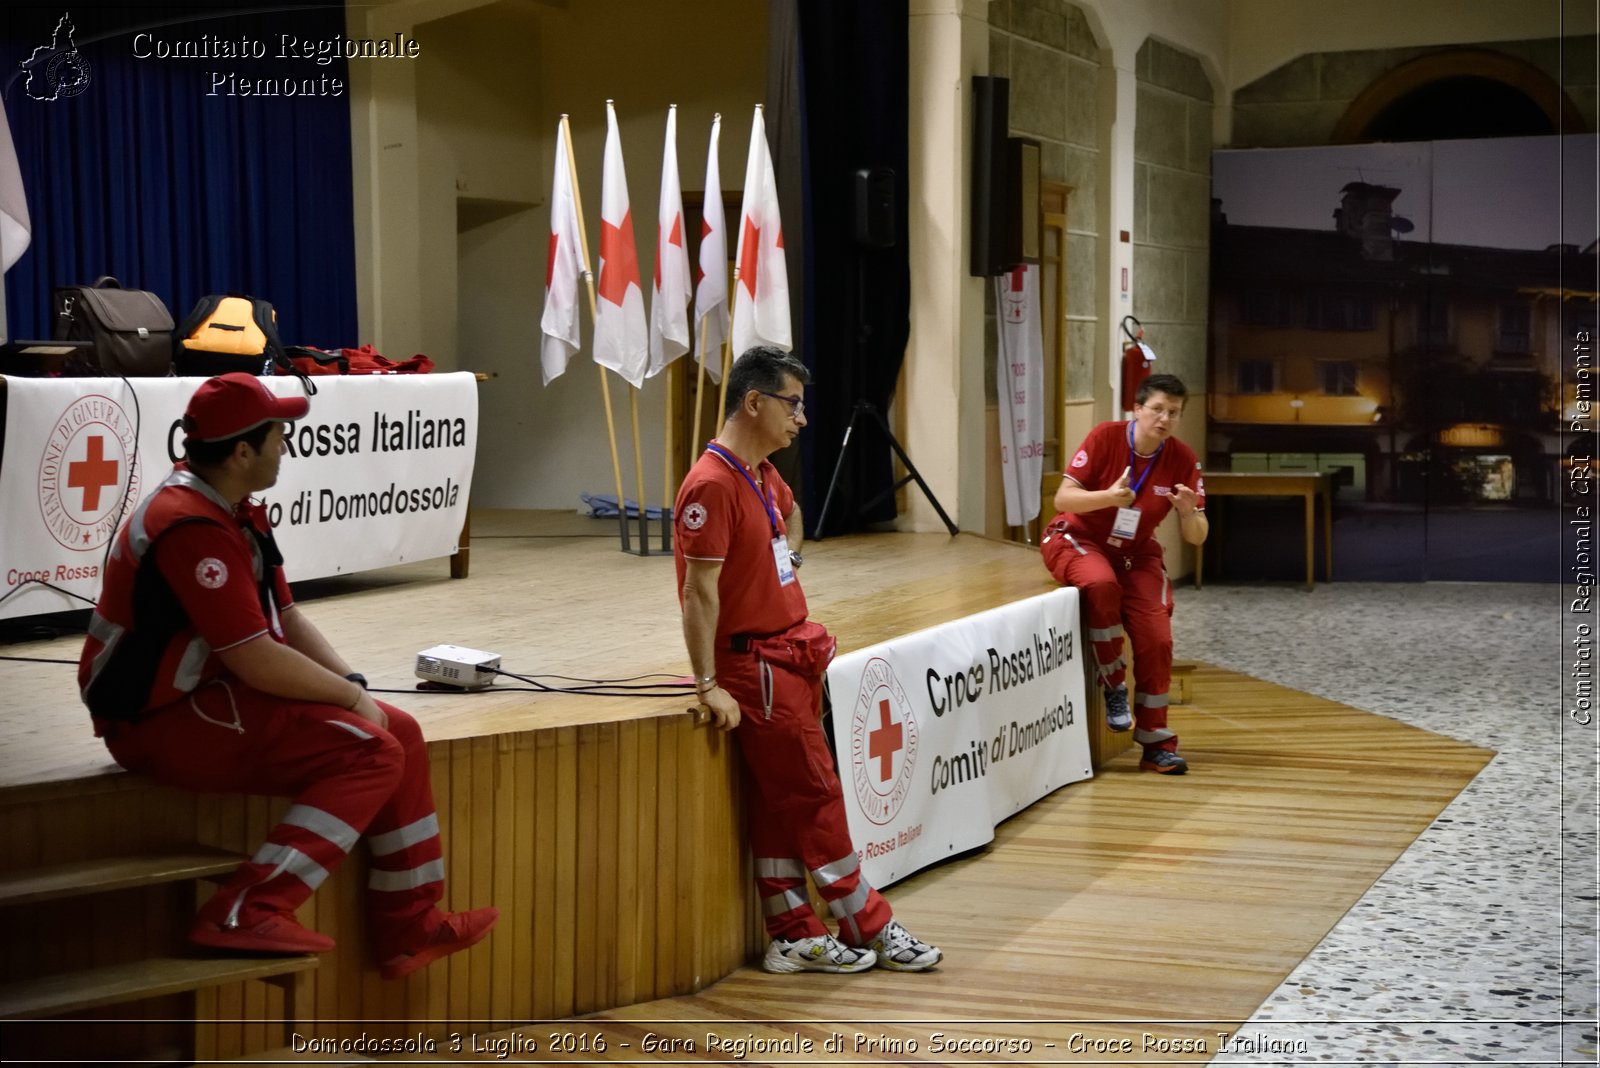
pixel 990 122
pixel 1024 229
pixel 875 208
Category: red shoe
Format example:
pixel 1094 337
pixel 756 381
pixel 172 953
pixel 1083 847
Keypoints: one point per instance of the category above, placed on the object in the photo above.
pixel 278 933
pixel 457 931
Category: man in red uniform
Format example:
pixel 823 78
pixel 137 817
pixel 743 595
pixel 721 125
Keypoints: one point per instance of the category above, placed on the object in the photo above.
pixel 1118 488
pixel 758 666
pixel 200 672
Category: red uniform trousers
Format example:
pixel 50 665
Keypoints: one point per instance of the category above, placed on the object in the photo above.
pixel 1124 594
pixel 348 778
pixel 793 801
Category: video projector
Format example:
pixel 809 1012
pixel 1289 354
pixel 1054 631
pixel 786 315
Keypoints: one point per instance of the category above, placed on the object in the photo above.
pixel 457 667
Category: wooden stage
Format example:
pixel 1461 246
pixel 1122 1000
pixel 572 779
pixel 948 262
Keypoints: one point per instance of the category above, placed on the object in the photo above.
pixel 551 593
pixel 606 829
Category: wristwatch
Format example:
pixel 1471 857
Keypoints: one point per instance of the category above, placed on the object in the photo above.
pixel 795 559
pixel 358 678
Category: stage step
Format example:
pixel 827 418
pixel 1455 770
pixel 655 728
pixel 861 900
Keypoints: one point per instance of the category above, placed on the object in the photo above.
pixel 114 873
pixel 113 984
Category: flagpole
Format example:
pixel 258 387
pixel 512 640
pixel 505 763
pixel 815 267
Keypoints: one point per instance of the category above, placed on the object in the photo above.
pixel 666 455
pixel 699 387
pixel 727 369
pixel 727 342
pixel 594 316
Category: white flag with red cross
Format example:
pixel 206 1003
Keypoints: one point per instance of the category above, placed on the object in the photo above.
pixel 559 323
pixel 669 303
pixel 621 340
pixel 761 309
pixel 711 288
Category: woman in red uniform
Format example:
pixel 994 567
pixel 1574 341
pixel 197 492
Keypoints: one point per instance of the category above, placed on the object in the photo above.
pixel 1118 488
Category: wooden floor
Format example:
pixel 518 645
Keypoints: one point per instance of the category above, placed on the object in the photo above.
pixel 1126 906
pixel 1128 909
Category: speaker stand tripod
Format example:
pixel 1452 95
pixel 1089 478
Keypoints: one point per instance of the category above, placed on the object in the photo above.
pixel 867 408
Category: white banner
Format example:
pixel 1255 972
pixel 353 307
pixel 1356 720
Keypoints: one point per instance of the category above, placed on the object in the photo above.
pixel 1019 368
pixel 377 473
pixel 944 733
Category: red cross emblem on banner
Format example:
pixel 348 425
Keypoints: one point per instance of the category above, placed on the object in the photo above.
pixel 93 473
pixel 884 741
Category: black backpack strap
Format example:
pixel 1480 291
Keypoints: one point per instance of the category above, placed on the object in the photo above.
pixel 262 312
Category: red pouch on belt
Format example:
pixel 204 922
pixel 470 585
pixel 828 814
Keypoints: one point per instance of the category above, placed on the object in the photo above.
pixel 806 649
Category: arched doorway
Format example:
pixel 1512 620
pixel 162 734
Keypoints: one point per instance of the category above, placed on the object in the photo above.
pixel 1462 93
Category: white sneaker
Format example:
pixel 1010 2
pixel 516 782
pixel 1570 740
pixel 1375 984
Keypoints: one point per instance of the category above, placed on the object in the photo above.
pixel 900 950
pixel 819 953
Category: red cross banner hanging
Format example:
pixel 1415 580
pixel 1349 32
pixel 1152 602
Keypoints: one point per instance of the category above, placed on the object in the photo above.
pixel 943 733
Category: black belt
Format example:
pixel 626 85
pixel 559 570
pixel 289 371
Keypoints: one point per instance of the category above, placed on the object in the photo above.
pixel 741 643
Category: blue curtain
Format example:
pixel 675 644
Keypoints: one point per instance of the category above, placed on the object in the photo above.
pixel 838 103
pixel 155 174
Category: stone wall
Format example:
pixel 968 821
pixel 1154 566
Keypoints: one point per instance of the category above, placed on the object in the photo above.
pixel 1300 102
pixel 1172 209
pixel 1046 49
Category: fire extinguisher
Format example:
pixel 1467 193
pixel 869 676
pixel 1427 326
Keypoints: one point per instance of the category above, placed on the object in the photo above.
pixel 1138 360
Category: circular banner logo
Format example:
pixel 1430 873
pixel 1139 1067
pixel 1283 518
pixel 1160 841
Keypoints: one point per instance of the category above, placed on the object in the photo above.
pixel 84 473
pixel 883 743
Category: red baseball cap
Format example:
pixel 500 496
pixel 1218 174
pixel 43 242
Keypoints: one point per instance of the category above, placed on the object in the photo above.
pixel 232 404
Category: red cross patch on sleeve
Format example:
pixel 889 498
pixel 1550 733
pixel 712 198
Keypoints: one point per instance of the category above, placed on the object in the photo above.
pixel 211 573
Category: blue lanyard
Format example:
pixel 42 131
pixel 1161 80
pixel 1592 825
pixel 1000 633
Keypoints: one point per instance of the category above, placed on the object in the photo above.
pixel 733 461
pixel 1147 467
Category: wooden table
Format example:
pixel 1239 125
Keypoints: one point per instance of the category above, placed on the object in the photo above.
pixel 1309 485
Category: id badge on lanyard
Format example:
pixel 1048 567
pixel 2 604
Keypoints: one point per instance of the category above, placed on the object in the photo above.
pixel 1126 525
pixel 780 556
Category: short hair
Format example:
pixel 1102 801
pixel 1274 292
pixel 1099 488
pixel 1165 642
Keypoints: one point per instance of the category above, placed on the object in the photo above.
pixel 214 453
pixel 762 368
pixel 1171 385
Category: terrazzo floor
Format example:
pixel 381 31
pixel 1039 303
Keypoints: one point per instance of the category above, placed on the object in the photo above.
pixel 1479 943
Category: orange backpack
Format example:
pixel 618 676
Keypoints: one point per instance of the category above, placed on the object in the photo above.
pixel 229 333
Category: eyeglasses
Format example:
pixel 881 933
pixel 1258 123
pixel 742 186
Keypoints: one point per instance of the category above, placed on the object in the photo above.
pixel 1158 413
pixel 797 405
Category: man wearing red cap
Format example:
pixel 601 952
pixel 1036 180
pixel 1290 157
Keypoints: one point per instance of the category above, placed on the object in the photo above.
pixel 200 673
